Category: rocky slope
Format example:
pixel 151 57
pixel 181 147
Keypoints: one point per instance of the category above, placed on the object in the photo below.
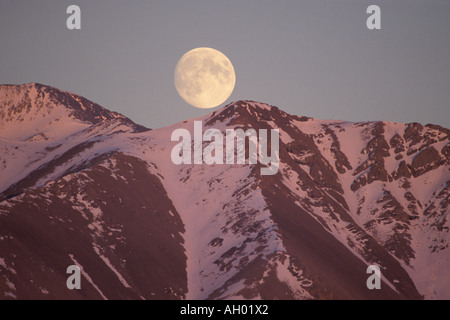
pixel 82 185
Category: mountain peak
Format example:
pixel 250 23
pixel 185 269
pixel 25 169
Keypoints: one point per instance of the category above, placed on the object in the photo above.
pixel 31 108
pixel 346 195
pixel 253 113
pixel 249 105
pixel 35 97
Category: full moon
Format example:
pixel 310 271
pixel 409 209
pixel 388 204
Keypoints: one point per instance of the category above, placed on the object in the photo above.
pixel 204 78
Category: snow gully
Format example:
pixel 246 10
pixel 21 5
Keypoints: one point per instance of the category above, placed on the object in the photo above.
pixel 213 153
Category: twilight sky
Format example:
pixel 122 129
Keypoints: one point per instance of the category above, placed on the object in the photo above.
pixel 313 58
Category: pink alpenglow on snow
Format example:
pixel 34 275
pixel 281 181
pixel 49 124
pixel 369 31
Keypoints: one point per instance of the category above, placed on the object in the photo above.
pixel 213 153
pixel 83 185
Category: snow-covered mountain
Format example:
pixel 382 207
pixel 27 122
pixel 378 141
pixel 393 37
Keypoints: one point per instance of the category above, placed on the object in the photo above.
pixel 82 185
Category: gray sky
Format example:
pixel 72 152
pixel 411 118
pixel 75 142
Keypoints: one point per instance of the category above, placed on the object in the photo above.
pixel 313 58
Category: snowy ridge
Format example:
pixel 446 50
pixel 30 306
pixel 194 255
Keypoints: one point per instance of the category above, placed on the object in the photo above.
pixel 223 237
pixel 36 128
pixel 346 195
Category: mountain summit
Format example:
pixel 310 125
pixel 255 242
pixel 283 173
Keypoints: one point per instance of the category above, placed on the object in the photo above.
pixel 82 185
pixel 34 109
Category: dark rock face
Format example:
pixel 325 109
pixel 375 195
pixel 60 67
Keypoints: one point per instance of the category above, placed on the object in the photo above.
pixel 377 149
pixel 426 160
pixel 396 143
pixel 113 229
pixel 108 198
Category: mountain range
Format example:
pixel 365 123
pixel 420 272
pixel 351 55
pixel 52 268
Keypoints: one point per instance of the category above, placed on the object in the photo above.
pixel 82 185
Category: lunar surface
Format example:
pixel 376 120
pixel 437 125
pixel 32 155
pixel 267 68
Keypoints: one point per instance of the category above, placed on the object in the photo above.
pixel 204 78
